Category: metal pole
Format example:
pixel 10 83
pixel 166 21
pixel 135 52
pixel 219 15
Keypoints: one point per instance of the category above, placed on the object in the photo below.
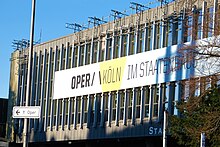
pixel 202 140
pixel 28 91
pixel 165 129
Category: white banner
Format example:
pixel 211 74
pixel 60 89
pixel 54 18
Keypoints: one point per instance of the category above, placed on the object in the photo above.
pixel 157 66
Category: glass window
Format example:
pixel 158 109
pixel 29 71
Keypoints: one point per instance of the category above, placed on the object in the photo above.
pixel 95 51
pixel 122 100
pixel 69 57
pixel 116 45
pixel 141 39
pixel 98 98
pixel 102 49
pixel 138 101
pixel 92 109
pixel 63 59
pixel 106 97
pixel 146 101
pixel 124 43
pixel 82 50
pixel 132 41
pixel 155 98
pixel 130 97
pixel 158 35
pixel 75 55
pixel 109 47
pixel 149 37
pixel 85 108
pixel 88 48
pixel 114 104
pixel 79 109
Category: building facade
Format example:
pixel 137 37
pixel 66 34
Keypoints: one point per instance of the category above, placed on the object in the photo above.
pixel 147 43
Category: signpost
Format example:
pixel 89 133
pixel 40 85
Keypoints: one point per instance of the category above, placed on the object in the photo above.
pixel 26 112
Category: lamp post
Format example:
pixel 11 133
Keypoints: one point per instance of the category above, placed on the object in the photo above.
pixel 28 91
pixel 164 129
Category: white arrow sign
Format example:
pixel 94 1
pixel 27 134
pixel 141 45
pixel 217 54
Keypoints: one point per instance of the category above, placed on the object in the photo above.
pixel 26 111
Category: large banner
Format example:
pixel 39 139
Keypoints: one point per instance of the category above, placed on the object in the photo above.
pixel 153 67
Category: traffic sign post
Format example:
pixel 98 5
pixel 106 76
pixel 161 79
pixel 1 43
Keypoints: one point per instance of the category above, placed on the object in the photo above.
pixel 26 111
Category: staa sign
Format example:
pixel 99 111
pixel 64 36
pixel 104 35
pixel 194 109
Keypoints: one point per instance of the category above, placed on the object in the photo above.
pixel 155 131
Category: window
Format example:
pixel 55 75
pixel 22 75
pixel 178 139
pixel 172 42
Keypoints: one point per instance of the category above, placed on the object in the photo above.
pixel 138 101
pixel 72 110
pixel 95 51
pixel 82 51
pixel 149 37
pixel 141 39
pixel 174 30
pixel 106 97
pixel 157 35
pixel 85 109
pixel 146 101
pixel 114 105
pixel 102 49
pixel 66 102
pixel 69 57
pixel 130 97
pixel 122 100
pixel 109 47
pixel 132 41
pixel 88 48
pixel 155 98
pixel 63 58
pixel 116 45
pixel 199 23
pixel 75 55
pixel 98 98
pixel 124 43
pixel 78 109
pixel 92 109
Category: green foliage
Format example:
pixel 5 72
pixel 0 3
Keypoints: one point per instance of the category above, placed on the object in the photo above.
pixel 198 114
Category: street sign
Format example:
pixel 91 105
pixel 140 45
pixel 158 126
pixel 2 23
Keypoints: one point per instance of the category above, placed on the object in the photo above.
pixel 26 111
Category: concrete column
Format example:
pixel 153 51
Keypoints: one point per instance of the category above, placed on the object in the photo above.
pixel 151 99
pixel 128 41
pixel 96 110
pixel 102 110
pixel 73 54
pixel 63 114
pixel 69 113
pixel 75 112
pixel 143 95
pixel 67 56
pixel 82 112
pixel 133 114
pixel 118 108
pixel 125 117
pixel 145 38
pixel 89 111
pixel 110 109
pixel 120 42
pixel 153 35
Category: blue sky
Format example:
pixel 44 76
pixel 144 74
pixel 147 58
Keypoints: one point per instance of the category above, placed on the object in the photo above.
pixel 51 16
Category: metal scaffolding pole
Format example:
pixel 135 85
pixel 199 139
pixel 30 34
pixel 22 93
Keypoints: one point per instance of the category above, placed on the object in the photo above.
pixel 28 91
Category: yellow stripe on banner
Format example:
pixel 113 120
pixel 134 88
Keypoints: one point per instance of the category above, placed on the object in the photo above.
pixel 111 74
